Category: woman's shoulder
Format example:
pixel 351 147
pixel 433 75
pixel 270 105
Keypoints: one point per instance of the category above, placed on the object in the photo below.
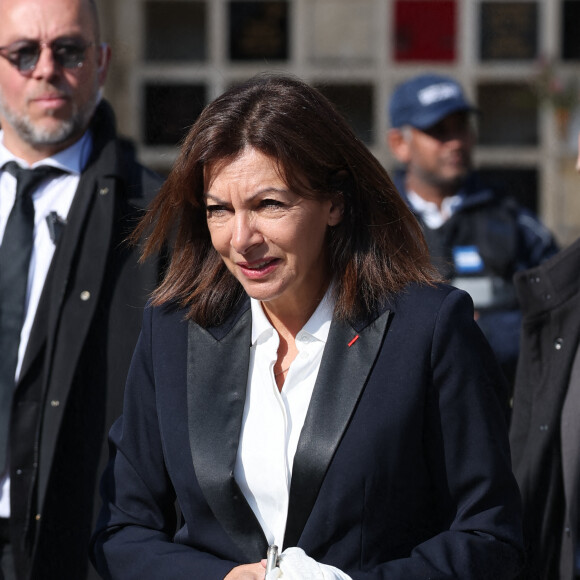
pixel 172 315
pixel 422 298
pixel 164 323
pixel 421 308
pixel 167 313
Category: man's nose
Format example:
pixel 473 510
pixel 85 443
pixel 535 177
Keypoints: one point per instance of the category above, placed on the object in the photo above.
pixel 46 67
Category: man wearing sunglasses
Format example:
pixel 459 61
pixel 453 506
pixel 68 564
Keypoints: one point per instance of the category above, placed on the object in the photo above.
pixel 71 291
pixel 478 237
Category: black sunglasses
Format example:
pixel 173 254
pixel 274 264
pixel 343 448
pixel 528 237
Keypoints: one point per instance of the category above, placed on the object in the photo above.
pixel 24 54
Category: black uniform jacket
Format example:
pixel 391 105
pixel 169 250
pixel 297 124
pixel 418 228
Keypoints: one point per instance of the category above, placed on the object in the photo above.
pixel 550 299
pixel 402 469
pixel 71 385
pixel 502 238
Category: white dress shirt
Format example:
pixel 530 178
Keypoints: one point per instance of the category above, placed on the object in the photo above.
pixel 272 419
pixel 55 195
pixel 271 428
pixel 433 215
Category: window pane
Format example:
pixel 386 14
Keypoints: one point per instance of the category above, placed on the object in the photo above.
pixel 175 31
pixel 341 30
pixel 258 30
pixel 355 103
pixel 570 32
pixel 509 114
pixel 170 110
pixel 425 30
pixel 509 31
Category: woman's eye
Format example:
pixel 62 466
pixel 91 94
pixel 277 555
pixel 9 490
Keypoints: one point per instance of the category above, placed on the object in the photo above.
pixel 215 210
pixel 271 203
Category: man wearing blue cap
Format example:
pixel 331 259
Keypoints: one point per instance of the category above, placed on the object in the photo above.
pixel 477 237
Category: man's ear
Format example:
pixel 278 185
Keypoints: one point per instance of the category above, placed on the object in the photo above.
pixel 399 145
pixel 104 60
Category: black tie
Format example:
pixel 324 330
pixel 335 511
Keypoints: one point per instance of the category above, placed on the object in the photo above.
pixel 15 253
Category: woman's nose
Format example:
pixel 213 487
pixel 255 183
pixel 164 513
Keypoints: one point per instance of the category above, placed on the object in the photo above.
pixel 245 234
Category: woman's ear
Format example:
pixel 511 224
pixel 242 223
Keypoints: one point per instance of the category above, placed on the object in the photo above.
pixel 398 143
pixel 336 210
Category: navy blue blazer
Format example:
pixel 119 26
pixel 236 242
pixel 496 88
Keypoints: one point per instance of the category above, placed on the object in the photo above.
pixel 402 469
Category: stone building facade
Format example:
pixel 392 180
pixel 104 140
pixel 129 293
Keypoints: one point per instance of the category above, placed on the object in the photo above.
pixel 519 60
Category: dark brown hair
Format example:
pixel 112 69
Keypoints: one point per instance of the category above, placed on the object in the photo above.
pixel 374 252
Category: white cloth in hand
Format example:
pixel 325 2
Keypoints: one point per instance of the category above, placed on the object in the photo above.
pixel 294 564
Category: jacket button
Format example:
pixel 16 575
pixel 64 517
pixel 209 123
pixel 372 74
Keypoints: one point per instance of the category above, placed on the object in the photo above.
pixel 85 295
pixel 19 472
pixel 535 279
pixel 559 343
pixel 104 190
pixel 54 403
pixel 37 517
pixel 543 427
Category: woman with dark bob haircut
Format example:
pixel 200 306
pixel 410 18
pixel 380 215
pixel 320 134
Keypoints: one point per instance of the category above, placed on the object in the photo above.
pixel 302 379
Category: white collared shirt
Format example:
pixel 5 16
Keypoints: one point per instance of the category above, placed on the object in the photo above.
pixel 55 195
pixel 433 216
pixel 272 419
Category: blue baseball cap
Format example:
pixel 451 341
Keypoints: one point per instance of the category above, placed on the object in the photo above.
pixel 426 99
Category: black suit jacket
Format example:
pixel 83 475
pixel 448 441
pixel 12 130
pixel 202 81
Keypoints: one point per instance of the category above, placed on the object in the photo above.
pixel 72 380
pixel 402 469
pixel 548 478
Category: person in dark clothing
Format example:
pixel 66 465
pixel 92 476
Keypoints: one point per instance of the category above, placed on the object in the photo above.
pixel 477 237
pixel 545 430
pixel 71 290
pixel 302 379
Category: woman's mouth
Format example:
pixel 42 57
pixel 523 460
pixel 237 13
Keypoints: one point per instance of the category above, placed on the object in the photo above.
pixel 258 269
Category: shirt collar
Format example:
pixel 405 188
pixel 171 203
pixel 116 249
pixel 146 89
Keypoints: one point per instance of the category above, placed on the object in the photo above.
pixel 420 204
pixel 72 159
pixel 318 324
pixel 430 212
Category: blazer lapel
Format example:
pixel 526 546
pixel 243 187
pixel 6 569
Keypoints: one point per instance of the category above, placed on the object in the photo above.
pixel 88 235
pixel 95 235
pixel 217 374
pixel 37 339
pixel 344 370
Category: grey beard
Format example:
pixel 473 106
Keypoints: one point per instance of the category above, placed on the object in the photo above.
pixel 69 128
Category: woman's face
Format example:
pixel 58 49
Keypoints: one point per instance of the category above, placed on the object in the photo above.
pixel 270 238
